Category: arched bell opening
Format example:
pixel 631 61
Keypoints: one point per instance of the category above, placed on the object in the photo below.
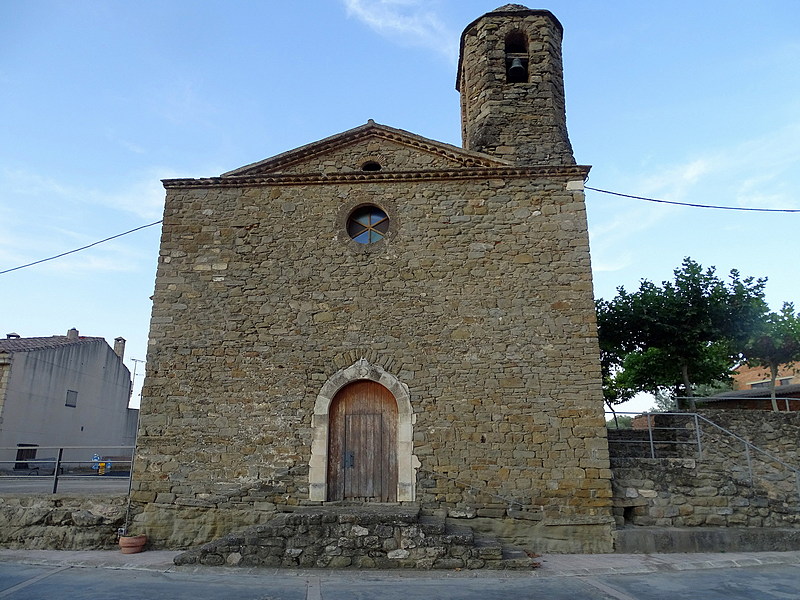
pixel 516 52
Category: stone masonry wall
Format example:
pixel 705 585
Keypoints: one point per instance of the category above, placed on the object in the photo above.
pixel 480 301
pixel 522 122
pixel 61 522
pixel 716 488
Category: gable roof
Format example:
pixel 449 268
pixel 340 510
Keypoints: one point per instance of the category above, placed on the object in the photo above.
pixel 43 343
pixel 457 157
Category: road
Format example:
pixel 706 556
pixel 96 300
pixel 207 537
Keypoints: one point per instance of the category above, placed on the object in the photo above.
pixel 589 577
pixel 81 485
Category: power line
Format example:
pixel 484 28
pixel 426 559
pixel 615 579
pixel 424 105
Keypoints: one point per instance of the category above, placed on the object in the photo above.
pixel 113 237
pixel 782 210
pixel 693 205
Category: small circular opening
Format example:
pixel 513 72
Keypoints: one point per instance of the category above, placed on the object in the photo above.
pixel 367 224
pixel 371 165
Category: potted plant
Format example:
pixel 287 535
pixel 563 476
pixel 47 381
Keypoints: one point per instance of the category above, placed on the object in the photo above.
pixel 131 543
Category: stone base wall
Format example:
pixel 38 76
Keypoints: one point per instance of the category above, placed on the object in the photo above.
pixel 172 521
pixel 659 540
pixel 61 522
pixel 182 527
pixel 180 523
pixel 567 536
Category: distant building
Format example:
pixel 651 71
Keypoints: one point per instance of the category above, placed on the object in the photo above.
pixel 752 391
pixel 751 378
pixel 788 399
pixel 62 390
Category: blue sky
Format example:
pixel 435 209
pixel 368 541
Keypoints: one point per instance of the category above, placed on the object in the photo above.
pixel 685 101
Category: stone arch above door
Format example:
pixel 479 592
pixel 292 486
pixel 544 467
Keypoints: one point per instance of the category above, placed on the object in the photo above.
pixel 407 463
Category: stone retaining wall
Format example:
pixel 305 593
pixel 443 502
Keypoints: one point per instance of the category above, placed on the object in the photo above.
pixel 777 433
pixel 720 487
pixel 61 522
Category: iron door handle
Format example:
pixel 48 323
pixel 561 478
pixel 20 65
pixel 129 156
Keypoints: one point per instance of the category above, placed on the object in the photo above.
pixel 349 460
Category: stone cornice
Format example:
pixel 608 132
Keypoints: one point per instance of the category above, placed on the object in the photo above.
pixel 566 172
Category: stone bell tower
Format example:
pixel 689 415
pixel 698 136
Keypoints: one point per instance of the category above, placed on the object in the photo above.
pixel 511 82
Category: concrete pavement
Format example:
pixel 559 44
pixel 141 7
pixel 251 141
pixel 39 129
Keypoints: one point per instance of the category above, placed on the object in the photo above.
pixel 552 565
pixel 49 574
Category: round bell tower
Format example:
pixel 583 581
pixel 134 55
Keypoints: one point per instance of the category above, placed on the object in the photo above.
pixel 511 81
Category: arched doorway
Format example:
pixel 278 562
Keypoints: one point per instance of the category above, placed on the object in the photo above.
pixel 407 462
pixel 362 443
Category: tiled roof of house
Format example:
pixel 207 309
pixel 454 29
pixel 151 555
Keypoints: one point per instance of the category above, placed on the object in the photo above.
pixel 22 344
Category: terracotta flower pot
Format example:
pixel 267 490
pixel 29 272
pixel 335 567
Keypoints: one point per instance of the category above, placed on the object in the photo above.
pixel 131 544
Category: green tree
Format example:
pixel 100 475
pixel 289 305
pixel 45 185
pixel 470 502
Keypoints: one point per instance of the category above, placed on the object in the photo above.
pixel 623 422
pixel 664 402
pixel 680 334
pixel 776 342
pixel 610 324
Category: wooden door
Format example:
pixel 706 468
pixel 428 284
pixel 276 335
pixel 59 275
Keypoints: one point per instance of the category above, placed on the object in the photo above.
pixel 362 445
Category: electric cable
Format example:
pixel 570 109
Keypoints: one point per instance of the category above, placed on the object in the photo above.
pixel 594 189
pixel 784 210
pixel 113 237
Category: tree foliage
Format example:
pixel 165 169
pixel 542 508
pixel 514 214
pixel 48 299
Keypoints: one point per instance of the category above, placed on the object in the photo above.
pixel 676 335
pixel 775 342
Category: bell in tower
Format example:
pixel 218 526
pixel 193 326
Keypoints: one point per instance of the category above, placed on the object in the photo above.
pixel 511 82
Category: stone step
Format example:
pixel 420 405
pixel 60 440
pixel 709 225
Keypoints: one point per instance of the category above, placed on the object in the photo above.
pixel 459 534
pixel 362 536
pixel 517 558
pixel 432 524
pixel 488 548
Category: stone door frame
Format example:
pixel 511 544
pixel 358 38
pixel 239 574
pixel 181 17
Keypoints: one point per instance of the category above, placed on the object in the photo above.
pixel 407 463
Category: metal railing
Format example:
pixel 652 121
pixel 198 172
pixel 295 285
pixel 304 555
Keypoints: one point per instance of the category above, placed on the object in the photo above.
pixel 659 437
pixel 80 468
pixel 693 434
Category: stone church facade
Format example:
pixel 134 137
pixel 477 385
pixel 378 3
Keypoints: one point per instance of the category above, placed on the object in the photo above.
pixel 380 317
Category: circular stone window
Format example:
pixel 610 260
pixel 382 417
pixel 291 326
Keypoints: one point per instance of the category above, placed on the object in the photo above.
pixel 367 224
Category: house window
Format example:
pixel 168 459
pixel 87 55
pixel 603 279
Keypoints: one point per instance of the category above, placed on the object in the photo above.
pixel 72 398
pixel 367 224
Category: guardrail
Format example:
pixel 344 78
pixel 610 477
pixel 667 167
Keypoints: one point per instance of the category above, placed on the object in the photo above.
pixel 32 466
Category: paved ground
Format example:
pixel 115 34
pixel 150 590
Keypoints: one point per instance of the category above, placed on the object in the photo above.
pixel 81 485
pixel 50 575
